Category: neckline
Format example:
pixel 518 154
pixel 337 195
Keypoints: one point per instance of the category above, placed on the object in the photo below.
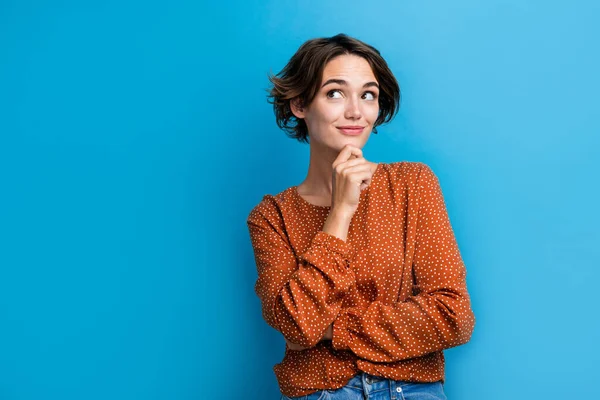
pixel 309 204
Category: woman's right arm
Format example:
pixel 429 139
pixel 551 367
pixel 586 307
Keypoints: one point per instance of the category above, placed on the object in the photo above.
pixel 301 299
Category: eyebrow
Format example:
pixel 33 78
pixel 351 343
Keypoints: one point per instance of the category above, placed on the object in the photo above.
pixel 344 83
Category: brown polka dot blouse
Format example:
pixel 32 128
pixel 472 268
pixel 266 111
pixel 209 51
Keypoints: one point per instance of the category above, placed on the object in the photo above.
pixel 395 290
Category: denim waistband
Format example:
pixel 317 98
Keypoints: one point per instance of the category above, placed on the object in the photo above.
pixel 369 383
pixel 388 388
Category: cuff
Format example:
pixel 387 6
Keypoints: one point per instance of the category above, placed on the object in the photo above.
pixel 348 321
pixel 334 243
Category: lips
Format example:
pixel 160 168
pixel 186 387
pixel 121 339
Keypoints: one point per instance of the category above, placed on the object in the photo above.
pixel 351 130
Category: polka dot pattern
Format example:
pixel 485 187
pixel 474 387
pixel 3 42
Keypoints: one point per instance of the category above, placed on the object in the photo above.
pixel 395 290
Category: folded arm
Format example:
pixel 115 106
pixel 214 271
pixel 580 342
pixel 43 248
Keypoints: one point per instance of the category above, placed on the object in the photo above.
pixel 437 316
pixel 299 298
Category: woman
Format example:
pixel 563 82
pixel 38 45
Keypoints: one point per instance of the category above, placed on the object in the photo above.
pixel 358 266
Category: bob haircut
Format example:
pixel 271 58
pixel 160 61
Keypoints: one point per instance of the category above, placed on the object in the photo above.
pixel 300 79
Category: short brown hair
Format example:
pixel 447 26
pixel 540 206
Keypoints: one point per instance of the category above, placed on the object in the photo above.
pixel 302 75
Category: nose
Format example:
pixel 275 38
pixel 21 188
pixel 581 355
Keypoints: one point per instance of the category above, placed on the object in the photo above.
pixel 352 108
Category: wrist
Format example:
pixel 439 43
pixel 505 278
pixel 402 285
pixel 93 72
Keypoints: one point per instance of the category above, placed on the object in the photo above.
pixel 338 223
pixel 341 213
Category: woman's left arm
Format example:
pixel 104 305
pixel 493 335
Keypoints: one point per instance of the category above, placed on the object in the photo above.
pixel 438 315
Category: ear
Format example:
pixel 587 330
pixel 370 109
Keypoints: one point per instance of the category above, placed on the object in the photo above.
pixel 297 109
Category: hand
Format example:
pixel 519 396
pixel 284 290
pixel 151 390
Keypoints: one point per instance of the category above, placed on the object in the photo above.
pixel 294 346
pixel 328 336
pixel 328 333
pixel 351 174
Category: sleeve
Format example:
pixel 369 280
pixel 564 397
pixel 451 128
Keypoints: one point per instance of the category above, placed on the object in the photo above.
pixel 300 297
pixel 437 316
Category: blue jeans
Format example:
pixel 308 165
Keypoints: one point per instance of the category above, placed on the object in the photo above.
pixel 365 386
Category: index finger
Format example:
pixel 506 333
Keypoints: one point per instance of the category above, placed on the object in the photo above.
pixel 347 152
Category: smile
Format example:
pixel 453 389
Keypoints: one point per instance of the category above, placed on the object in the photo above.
pixel 352 131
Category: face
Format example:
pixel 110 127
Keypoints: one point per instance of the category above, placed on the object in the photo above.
pixel 348 97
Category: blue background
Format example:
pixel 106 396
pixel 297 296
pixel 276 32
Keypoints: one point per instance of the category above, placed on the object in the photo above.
pixel 135 137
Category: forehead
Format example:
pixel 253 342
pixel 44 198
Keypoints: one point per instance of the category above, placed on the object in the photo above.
pixel 350 67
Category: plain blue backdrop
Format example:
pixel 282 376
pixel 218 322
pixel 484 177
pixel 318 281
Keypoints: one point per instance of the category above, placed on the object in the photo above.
pixel 135 137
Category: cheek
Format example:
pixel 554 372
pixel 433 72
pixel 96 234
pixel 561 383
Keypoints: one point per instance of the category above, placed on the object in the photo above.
pixel 330 112
pixel 371 112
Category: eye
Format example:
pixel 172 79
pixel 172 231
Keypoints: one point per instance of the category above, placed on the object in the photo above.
pixel 373 95
pixel 333 91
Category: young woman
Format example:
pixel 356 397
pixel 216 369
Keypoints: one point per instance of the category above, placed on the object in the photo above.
pixel 358 266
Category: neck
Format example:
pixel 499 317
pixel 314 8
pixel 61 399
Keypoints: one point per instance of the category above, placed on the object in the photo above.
pixel 318 181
